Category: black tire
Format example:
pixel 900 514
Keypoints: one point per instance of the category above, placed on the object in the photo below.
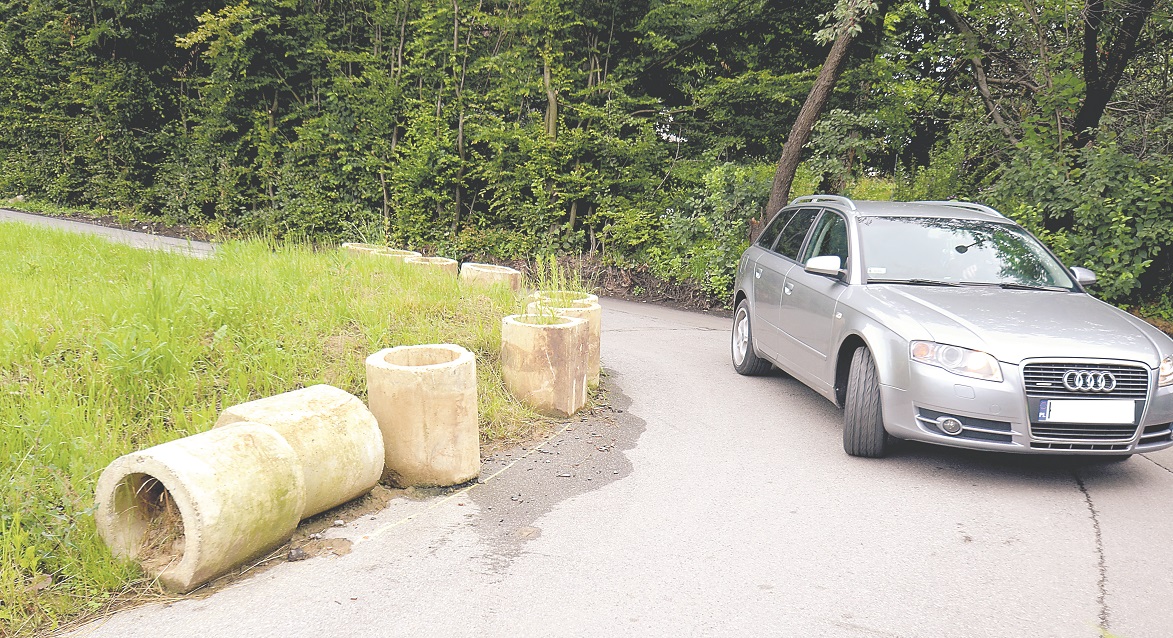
pixel 751 364
pixel 863 418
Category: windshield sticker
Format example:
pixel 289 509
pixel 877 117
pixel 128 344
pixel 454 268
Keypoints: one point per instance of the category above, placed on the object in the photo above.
pixel 877 271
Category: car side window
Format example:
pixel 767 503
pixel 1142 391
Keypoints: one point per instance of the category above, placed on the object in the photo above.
pixel 829 238
pixel 766 240
pixel 790 239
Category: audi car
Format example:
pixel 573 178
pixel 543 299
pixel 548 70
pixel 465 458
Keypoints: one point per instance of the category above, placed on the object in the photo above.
pixel 945 322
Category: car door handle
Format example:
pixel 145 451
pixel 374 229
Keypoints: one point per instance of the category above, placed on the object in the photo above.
pixel 788 288
pixel 757 273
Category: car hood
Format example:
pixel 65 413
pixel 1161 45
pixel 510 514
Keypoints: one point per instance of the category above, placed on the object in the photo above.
pixel 1014 325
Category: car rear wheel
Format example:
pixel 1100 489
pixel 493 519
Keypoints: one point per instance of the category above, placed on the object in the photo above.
pixel 863 420
pixel 745 360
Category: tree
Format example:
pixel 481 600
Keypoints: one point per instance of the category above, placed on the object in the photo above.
pixel 849 16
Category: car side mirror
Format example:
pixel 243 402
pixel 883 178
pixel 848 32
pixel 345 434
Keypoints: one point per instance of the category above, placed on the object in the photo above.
pixel 828 265
pixel 1083 276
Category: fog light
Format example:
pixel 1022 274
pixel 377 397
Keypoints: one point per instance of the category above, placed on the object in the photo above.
pixel 949 425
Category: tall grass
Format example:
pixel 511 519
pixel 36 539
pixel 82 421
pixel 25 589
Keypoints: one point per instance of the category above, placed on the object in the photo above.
pixel 105 349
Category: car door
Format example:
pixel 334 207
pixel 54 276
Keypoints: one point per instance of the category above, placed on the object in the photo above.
pixel 806 317
pixel 769 271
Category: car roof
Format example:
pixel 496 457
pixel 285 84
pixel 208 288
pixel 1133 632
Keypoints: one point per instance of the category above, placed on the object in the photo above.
pixel 870 208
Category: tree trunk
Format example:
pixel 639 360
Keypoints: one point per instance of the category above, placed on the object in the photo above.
pixel 551 103
pixel 800 133
pixel 1102 73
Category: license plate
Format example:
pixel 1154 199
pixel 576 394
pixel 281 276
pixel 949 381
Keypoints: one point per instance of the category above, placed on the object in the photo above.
pixel 1100 412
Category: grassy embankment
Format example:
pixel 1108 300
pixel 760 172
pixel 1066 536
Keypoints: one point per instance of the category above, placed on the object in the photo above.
pixel 105 349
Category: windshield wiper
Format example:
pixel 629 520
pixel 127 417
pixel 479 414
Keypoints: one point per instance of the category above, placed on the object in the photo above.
pixel 914 282
pixel 1010 285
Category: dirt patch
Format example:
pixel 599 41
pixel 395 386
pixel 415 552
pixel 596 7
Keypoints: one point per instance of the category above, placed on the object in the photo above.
pixel 164 541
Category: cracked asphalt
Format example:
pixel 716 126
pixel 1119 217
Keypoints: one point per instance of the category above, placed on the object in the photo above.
pixel 702 503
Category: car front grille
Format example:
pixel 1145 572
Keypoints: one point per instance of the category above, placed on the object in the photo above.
pixel 1090 447
pixel 1078 432
pixel 1045 380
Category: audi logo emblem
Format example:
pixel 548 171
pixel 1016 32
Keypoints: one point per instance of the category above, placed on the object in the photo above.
pixel 1088 381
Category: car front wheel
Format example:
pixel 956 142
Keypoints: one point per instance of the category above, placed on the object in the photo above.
pixel 863 420
pixel 745 360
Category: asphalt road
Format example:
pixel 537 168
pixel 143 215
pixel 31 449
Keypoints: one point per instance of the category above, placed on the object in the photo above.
pixel 138 240
pixel 724 505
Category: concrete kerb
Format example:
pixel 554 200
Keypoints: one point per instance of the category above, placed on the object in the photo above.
pixel 425 400
pixel 191 509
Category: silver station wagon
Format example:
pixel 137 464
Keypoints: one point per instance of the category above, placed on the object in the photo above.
pixel 946 322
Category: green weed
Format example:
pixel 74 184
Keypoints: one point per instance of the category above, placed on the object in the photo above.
pixel 105 349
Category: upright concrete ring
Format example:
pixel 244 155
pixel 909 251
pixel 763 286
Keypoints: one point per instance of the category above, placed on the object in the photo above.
pixel 593 313
pixel 544 361
pixel 395 254
pixel 425 399
pixel 335 436
pixel 360 248
pixel 490 274
pixel 561 297
pixel 191 509
pixel 441 264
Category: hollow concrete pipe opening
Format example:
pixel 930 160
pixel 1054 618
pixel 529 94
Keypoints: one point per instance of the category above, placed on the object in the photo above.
pixel 422 356
pixel 361 248
pixel 191 509
pixel 395 254
pixel 425 400
pixel 148 526
pixel 562 297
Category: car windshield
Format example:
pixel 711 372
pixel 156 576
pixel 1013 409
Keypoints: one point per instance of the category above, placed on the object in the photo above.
pixel 928 250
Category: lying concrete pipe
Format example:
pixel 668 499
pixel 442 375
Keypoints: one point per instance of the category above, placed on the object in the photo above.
pixel 544 361
pixel 425 399
pixel 441 264
pixel 335 436
pixel 490 274
pixel 194 508
pixel 593 313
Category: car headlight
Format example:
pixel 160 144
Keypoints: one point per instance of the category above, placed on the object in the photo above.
pixel 962 361
pixel 1165 373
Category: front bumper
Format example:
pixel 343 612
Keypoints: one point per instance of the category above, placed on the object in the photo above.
pixel 996 416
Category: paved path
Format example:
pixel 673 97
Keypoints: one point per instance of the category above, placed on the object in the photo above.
pixel 734 513
pixel 139 240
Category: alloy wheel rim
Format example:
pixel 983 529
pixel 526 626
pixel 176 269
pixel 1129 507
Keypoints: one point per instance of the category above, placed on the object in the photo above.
pixel 740 336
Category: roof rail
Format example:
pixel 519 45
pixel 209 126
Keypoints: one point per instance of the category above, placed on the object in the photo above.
pixel 966 205
pixel 824 198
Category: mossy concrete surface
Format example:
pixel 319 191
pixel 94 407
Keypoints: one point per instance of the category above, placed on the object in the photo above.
pixel 336 438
